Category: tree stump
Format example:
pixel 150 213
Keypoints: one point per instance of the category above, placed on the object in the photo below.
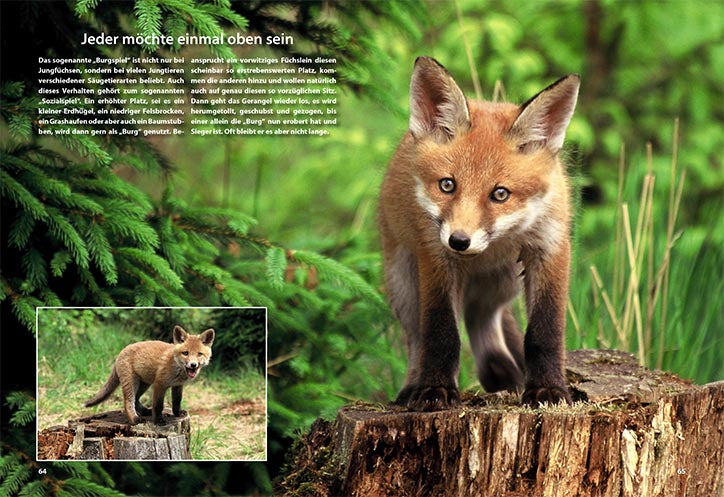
pixel 632 432
pixel 108 435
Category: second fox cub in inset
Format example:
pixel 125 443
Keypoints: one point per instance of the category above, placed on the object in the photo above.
pixel 163 365
pixel 474 206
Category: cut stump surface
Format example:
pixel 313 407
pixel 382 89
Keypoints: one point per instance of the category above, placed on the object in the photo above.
pixel 108 435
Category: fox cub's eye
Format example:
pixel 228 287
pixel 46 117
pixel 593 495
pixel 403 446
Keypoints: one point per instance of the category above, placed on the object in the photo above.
pixel 500 194
pixel 185 353
pixel 447 185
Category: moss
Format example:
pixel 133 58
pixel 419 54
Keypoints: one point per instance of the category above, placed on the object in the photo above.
pixel 311 470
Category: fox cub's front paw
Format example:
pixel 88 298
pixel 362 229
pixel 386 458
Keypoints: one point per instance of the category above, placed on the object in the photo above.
pixel 180 413
pixel 143 411
pixel 160 421
pixel 534 396
pixel 426 398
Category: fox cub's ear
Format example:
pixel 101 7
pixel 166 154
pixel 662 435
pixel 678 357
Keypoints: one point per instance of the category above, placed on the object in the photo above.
pixel 207 337
pixel 438 108
pixel 544 118
pixel 179 334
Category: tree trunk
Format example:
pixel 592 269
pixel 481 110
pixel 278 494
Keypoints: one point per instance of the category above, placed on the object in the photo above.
pixel 634 432
pixel 108 435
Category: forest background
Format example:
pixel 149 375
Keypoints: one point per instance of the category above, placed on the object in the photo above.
pixel 291 223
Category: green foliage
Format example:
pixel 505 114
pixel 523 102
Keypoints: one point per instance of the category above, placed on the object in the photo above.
pixel 87 222
pixel 21 476
pixel 24 407
pixel 241 336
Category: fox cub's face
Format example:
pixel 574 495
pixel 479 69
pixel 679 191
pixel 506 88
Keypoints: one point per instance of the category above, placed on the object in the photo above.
pixel 486 171
pixel 192 352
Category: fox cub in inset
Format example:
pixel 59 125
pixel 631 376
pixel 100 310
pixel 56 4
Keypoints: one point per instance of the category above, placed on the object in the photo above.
pixel 474 206
pixel 163 365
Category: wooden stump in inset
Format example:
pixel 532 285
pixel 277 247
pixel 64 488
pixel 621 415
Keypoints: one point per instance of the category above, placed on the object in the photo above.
pixel 108 435
pixel 632 433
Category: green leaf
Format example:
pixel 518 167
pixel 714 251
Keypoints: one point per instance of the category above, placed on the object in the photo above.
pixel 154 263
pixel 100 252
pixel 21 230
pixel 85 6
pixel 24 309
pixel 148 20
pixel 60 262
pixel 64 231
pixel 276 265
pixel 337 272
pixel 36 269
pixel 21 197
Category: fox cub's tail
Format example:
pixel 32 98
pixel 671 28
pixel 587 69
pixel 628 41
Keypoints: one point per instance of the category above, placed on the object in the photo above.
pixel 106 391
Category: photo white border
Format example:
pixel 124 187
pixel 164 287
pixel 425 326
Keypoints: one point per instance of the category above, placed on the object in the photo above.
pixel 266 384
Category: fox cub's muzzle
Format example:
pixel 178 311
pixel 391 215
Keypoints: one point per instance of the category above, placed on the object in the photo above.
pixel 192 369
pixel 459 241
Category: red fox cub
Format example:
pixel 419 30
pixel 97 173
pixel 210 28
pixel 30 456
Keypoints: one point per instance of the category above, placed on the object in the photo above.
pixel 161 364
pixel 474 206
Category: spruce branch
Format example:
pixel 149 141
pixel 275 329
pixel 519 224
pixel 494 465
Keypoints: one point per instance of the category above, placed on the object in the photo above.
pixel 338 272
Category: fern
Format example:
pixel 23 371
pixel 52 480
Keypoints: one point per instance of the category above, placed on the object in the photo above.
pixel 21 230
pixel 100 252
pixel 59 262
pixel 35 268
pixel 148 20
pixel 276 264
pixel 154 263
pixel 21 197
pixel 19 473
pixel 62 229
pixel 17 476
pixel 35 488
pixel 81 487
pixel 85 6
pixel 340 274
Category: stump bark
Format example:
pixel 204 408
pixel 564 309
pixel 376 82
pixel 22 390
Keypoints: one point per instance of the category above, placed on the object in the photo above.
pixel 632 432
pixel 108 436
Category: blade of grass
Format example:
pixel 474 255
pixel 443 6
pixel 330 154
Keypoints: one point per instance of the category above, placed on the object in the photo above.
pixel 618 262
pixel 664 269
pixel 498 91
pixel 574 320
pixel 632 309
pixel 469 53
pixel 674 199
pixel 609 306
pixel 649 226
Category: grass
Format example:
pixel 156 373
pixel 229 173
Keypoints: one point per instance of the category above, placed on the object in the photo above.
pixel 230 422
pixel 653 285
pixel 75 355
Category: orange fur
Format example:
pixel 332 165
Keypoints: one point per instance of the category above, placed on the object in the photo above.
pixel 158 364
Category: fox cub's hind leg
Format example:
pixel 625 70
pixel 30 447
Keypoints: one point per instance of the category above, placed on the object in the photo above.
pixel 140 408
pixel 497 345
pixel 130 387
pixel 495 338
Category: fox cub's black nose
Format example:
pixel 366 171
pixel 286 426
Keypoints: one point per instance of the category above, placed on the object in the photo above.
pixel 459 241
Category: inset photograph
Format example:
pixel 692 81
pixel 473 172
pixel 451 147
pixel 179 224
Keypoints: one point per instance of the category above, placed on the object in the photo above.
pixel 154 383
